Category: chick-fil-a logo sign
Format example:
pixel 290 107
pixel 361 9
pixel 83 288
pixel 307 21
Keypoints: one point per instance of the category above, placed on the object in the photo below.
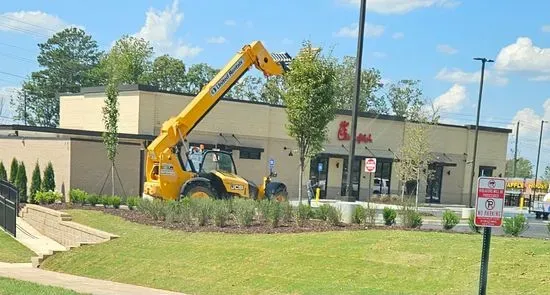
pixel 344 135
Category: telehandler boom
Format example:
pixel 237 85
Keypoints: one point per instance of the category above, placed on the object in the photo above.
pixel 171 174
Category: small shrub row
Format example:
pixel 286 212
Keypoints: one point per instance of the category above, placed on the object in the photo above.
pixel 81 197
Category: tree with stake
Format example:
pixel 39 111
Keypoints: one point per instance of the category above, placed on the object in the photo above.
pixel 36 181
pixel 110 136
pixel 309 96
pixel 13 170
pixel 3 173
pixel 21 182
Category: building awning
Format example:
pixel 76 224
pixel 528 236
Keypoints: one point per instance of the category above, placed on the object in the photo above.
pixel 442 159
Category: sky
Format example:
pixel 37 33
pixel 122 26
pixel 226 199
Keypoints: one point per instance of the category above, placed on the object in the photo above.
pixel 433 41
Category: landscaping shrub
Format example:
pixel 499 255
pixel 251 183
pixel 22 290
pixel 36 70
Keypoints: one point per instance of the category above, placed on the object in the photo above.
pixel 471 223
pixel 359 215
pixel 36 182
pixel 132 202
pixel 370 216
pixel 244 211
pixel 3 173
pixel 303 213
pixel 13 170
pixel 323 211
pixel 449 219
pixel 48 197
pixel 221 212
pixel 156 209
pixel 178 212
pixel 334 215
pixel 78 196
pixel 515 225
pixel 21 182
pixel 48 181
pixel 287 212
pixel 263 207
pixel 202 210
pixel 105 201
pixel 389 215
pixel 410 216
pixel 275 213
pixel 93 199
pixel 115 201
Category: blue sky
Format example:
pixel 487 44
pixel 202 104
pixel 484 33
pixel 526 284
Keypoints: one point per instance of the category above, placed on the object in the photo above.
pixel 430 40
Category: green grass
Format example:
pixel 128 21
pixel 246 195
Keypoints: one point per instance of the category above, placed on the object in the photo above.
pixel 12 251
pixel 359 262
pixel 16 287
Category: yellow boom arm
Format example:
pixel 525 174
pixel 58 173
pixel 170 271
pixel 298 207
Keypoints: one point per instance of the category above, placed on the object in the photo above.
pixel 164 174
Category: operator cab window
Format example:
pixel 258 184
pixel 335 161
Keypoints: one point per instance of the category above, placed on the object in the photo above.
pixel 217 161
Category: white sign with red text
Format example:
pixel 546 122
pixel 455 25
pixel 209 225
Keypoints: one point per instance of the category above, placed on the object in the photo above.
pixel 370 165
pixel 490 201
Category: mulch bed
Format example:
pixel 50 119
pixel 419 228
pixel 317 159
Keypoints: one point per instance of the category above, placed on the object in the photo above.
pixel 257 227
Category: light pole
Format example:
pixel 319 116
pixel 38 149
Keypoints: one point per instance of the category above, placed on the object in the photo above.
pixel 355 104
pixel 538 157
pixel 483 61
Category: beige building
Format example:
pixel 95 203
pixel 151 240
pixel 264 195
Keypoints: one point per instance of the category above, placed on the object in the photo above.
pixel 255 133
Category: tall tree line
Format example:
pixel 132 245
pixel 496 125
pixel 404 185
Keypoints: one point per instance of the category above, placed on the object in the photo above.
pixel 71 59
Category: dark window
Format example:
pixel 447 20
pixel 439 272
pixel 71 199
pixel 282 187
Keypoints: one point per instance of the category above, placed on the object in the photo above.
pixel 486 171
pixel 250 154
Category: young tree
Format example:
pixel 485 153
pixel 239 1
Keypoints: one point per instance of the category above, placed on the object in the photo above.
pixel 36 182
pixel 110 119
pixel 405 98
pixel 48 181
pixel 66 60
pixel 3 173
pixel 524 168
pixel 309 98
pixel 21 182
pixel 13 170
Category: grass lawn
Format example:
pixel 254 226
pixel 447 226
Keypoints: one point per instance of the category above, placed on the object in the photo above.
pixel 344 262
pixel 12 251
pixel 16 287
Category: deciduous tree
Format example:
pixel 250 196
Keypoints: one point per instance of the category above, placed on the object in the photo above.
pixel 405 98
pixel 524 168
pixel 310 88
pixel 198 76
pixel 168 73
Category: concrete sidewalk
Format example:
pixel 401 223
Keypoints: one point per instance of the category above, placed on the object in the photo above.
pixel 25 272
pixel 35 241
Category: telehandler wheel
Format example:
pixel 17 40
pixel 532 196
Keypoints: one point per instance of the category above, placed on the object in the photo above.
pixel 200 192
pixel 279 197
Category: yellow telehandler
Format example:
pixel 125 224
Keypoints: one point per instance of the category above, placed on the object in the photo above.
pixel 174 170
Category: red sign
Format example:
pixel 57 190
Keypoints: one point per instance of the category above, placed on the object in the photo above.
pixel 370 165
pixel 344 135
pixel 490 201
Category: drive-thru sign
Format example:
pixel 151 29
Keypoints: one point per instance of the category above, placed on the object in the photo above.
pixel 490 201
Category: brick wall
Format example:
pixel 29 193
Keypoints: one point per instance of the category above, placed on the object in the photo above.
pixel 59 227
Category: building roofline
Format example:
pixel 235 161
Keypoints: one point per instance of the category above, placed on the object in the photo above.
pixel 67 131
pixel 150 88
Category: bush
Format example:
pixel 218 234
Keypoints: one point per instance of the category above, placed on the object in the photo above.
pixel 48 197
pixel 515 225
pixel 115 201
pixel 275 213
pixel 449 219
pixel 132 202
pixel 105 201
pixel 202 210
pixel 359 215
pixel 410 216
pixel 48 181
pixel 13 170
pixel 244 211
pixel 471 223
pixel 303 213
pixel 389 215
pixel 370 216
pixel 155 209
pixel 179 211
pixel 334 215
pixel 93 199
pixel 36 182
pixel 263 207
pixel 323 211
pixel 221 212
pixel 287 212
pixel 21 182
pixel 3 173
pixel 78 196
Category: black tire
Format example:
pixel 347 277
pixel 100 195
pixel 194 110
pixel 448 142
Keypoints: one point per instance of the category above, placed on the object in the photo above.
pixel 199 191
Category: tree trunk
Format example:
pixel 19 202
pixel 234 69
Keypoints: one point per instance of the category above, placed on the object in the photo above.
pixel 113 178
pixel 300 181
pixel 417 185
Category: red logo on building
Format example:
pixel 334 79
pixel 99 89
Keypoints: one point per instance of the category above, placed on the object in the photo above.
pixel 344 135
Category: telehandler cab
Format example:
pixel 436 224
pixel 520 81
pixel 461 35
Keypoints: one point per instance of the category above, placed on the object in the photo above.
pixel 174 171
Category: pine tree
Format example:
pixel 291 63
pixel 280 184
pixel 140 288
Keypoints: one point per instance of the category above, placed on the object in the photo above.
pixel 48 182
pixel 13 170
pixel 3 173
pixel 36 182
pixel 21 182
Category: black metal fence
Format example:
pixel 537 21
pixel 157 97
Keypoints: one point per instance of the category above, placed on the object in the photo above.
pixel 9 206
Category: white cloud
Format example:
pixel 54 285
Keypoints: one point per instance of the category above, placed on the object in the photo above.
pixel 378 54
pixel 403 6
pixel 523 56
pixel 352 31
pixel 160 28
pixel 230 22
pixel 452 100
pixel 445 48
pixel 398 35
pixel 458 76
pixel 545 28
pixel 540 78
pixel 216 40
pixel 36 23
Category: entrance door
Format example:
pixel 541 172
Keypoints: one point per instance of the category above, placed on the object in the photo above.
pixel 433 189
pixel 318 173
pixel 355 178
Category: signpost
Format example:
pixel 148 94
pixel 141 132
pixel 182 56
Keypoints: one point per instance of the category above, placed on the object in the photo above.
pixel 271 165
pixel 489 214
pixel 370 168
